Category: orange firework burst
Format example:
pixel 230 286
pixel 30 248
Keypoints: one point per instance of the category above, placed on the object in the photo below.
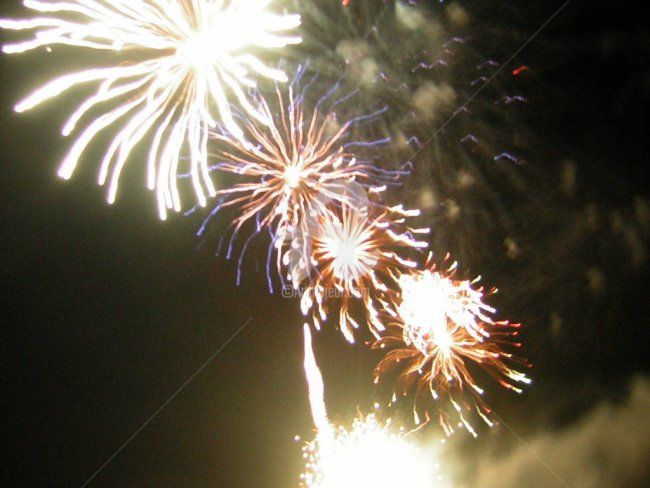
pixel 437 326
pixel 352 254
pixel 294 169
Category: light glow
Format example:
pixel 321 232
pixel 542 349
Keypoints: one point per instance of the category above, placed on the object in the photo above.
pixel 370 453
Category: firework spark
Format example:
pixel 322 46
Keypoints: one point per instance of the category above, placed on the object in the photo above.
pixel 295 169
pixel 437 326
pixel 370 453
pixel 352 256
pixel 194 55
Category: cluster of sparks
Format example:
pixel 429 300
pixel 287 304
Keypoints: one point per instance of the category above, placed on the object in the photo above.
pixel 291 170
pixel 177 60
pixel 353 255
pixel 298 181
pixel 437 326
pixel 332 238
pixel 337 243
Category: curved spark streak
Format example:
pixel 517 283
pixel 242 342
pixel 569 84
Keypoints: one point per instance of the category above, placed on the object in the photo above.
pixel 195 58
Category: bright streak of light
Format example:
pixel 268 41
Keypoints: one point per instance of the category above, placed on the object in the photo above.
pixel 438 325
pixel 316 387
pixel 193 56
pixel 369 454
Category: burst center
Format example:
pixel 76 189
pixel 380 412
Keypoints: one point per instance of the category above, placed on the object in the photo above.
pixel 292 177
pixel 346 259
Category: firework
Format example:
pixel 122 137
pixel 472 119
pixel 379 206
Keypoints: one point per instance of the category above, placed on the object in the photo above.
pixel 193 55
pixel 352 257
pixel 370 453
pixel 438 325
pixel 294 169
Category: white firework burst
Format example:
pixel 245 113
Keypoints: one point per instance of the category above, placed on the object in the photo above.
pixel 193 58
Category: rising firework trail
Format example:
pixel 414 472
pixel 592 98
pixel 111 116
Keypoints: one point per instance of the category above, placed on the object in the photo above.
pixel 180 64
pixel 438 326
pixel 370 453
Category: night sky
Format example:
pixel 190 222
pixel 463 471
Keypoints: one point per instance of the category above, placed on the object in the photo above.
pixel 107 311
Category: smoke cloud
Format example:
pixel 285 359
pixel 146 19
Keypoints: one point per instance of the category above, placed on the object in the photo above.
pixel 607 448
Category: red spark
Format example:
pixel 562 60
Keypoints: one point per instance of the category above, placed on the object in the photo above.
pixel 520 70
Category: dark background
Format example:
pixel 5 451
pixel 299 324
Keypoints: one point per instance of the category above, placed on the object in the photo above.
pixel 107 311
